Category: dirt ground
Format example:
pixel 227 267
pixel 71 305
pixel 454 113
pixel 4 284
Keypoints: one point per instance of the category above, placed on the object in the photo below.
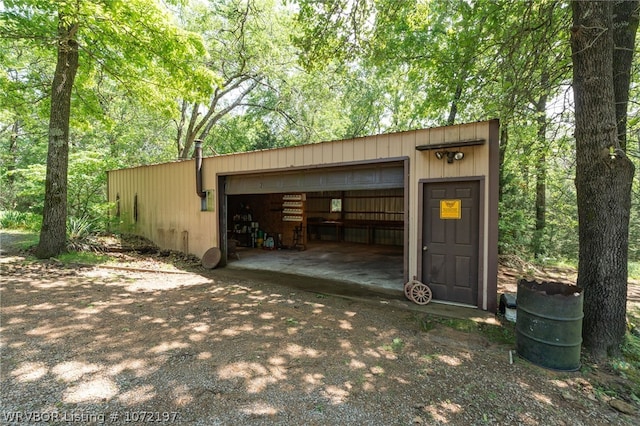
pixel 142 340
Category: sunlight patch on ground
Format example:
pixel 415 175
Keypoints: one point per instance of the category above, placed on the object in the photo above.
pixel 345 325
pixel 167 346
pixel 137 395
pixel 368 386
pixel 29 371
pixel 148 281
pixel 257 376
pixel 241 313
pixel 53 333
pixel 46 285
pixel 313 379
pixel 297 351
pixel 201 327
pixel 335 394
pixel 559 383
pixel 370 352
pixel 357 364
pixel 259 384
pixel 181 395
pixel 345 344
pixel 234 331
pixel 16 309
pixel 259 297
pixel 11 259
pixel 402 380
pixel 242 369
pixel 197 337
pixel 442 410
pixel 43 307
pixel 73 370
pixel 94 390
pixel 450 360
pixel 542 398
pixel 260 409
pixel 138 366
pixel 377 370
pixel 277 360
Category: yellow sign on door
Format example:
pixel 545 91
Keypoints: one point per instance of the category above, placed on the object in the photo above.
pixel 450 209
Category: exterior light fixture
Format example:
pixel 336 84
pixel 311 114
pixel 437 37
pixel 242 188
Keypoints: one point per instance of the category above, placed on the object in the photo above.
pixel 449 155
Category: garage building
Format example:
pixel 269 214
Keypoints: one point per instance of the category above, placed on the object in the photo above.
pixel 416 205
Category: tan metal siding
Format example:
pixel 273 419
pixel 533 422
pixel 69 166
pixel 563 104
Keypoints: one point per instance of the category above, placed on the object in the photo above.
pixel 347 152
pixel 395 146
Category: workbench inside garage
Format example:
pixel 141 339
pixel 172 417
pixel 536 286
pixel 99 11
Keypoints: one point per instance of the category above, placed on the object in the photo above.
pixel 367 231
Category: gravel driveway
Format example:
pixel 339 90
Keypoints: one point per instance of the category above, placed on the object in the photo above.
pixel 93 345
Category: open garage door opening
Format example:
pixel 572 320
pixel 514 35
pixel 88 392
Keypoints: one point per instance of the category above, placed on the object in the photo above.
pixel 343 224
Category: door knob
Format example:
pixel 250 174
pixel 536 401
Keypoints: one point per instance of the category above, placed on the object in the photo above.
pixel 425 248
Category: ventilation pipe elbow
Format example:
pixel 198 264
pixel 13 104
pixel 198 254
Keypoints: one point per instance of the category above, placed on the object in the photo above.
pixel 198 157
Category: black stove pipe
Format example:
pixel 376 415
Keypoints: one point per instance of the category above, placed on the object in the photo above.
pixel 198 156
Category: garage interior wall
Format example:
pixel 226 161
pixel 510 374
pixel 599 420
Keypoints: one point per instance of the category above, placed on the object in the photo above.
pixel 366 216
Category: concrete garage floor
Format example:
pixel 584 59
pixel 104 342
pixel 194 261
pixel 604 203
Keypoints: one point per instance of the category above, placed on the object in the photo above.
pixel 378 267
pixel 367 273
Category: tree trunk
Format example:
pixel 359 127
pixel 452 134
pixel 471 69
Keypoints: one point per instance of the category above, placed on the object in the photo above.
pixel 13 152
pixel 625 21
pixel 504 143
pixel 453 111
pixel 53 233
pixel 603 181
pixel 541 172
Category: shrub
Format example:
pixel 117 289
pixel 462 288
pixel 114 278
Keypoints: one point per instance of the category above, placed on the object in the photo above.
pixel 12 219
pixel 81 234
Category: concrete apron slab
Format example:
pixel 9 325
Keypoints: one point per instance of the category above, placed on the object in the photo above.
pixel 369 274
pixel 376 266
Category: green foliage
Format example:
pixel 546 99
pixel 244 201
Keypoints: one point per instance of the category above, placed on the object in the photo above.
pixel 396 345
pixel 504 334
pixel 83 257
pixel 629 366
pixel 87 184
pixel 13 219
pixel 634 270
pixel 26 188
pixel 79 228
pixel 81 233
pixel 514 227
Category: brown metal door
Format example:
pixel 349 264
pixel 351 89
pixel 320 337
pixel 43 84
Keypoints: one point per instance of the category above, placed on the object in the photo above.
pixel 450 241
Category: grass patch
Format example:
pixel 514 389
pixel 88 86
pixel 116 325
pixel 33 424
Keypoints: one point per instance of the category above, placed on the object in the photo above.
pixel 629 366
pixel 396 345
pixel 634 270
pixel 83 257
pixel 503 334
pixel 19 239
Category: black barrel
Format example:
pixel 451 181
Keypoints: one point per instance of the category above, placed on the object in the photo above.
pixel 549 324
